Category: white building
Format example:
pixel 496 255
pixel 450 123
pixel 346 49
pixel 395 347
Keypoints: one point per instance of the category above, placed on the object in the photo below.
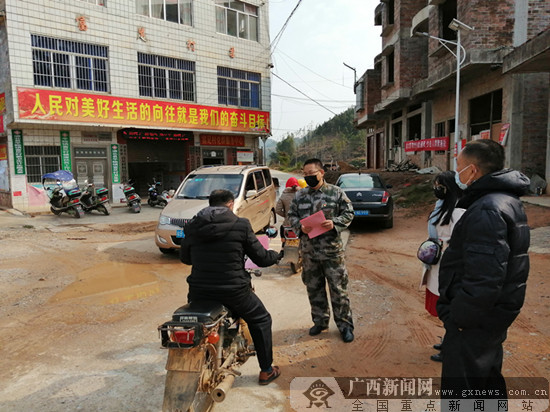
pixel 118 89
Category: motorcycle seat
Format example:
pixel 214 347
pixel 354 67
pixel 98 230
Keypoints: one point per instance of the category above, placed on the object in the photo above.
pixel 199 312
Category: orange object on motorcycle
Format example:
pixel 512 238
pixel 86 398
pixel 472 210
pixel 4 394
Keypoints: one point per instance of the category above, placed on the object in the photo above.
pixel 214 337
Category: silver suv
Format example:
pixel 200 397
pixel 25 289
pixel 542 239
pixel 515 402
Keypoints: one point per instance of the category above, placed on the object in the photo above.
pixel 255 198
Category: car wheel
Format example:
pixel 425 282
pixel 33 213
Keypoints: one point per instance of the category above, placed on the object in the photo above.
pixel 166 251
pixel 388 224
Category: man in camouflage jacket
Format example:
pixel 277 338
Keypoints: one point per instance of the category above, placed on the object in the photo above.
pixel 323 255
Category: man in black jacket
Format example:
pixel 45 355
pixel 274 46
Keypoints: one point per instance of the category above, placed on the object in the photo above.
pixel 215 244
pixel 483 272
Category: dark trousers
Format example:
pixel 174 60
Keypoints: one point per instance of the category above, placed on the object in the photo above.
pixel 472 360
pixel 248 306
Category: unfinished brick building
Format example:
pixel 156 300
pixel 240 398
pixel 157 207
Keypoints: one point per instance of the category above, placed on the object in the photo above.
pixel 407 102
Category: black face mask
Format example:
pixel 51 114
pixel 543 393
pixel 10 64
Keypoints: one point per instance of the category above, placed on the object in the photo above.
pixel 311 181
pixel 440 192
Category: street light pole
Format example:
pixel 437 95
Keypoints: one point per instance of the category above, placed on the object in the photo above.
pixel 460 55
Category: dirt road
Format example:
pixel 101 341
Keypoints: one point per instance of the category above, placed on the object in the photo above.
pixel 81 302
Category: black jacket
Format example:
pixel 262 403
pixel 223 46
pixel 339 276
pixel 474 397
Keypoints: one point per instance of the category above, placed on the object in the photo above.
pixel 483 272
pixel 215 244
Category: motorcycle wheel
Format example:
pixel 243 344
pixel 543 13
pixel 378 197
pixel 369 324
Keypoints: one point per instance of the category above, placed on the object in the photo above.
pixel 163 203
pixel 150 203
pixel 54 211
pixel 106 210
pixel 185 369
pixel 136 207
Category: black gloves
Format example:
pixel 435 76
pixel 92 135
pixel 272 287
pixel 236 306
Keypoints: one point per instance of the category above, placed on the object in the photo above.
pixel 281 255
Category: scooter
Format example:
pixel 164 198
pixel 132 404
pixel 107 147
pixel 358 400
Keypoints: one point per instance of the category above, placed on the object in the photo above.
pixel 206 344
pixel 95 199
pixel 65 193
pixel 156 197
pixel 291 247
pixel 133 201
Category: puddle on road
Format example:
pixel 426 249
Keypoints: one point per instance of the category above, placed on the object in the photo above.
pixel 113 282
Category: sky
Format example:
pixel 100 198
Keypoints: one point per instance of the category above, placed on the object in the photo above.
pixel 310 54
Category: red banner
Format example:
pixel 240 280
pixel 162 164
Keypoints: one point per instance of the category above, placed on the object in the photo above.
pixel 54 105
pixel 221 140
pixel 435 143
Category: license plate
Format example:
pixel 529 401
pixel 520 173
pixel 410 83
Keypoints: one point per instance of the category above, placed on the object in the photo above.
pixel 361 212
pixel 180 234
pixel 293 242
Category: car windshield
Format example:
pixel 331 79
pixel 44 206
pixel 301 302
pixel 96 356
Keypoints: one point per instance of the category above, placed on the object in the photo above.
pixel 360 182
pixel 199 186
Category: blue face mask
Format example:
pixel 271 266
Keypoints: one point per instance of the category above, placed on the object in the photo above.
pixel 461 185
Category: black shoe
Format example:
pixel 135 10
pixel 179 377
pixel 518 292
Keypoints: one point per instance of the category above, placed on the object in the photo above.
pixel 438 357
pixel 438 346
pixel 316 329
pixel 347 335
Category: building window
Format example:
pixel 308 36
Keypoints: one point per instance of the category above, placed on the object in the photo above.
pixel 359 97
pixel 237 19
pixel 447 12
pixel 238 87
pixel 166 77
pixel 485 111
pixel 390 67
pixel 41 160
pixel 440 129
pixel 69 64
pixel 97 2
pixel 177 11
pixel 391 12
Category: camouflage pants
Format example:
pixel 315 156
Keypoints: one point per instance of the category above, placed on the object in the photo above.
pixel 315 275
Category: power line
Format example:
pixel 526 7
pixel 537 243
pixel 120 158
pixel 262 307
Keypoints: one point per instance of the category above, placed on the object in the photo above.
pixel 277 38
pixel 301 98
pixel 299 91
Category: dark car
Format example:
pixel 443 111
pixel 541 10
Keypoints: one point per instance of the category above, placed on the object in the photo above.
pixel 369 196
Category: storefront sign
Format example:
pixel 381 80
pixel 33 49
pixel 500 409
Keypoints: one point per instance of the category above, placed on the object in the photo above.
pixel 3 152
pixel 115 163
pixel 246 157
pixel 435 143
pixel 156 135
pixel 54 105
pixel 221 140
pixel 18 152
pixel 2 103
pixel 65 142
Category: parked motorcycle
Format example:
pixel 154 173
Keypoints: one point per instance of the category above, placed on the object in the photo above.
pixel 133 201
pixel 206 345
pixel 156 197
pixel 95 199
pixel 63 192
pixel 291 248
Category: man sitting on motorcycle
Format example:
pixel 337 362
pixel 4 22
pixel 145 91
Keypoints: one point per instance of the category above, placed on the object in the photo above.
pixel 215 244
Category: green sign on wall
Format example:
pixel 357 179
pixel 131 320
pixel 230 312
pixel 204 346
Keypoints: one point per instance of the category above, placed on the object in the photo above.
pixel 115 163
pixel 18 152
pixel 65 141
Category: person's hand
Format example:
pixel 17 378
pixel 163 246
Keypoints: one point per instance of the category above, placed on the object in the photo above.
pixel 306 229
pixel 328 224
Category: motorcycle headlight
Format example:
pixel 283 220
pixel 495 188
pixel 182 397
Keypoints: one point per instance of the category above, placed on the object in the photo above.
pixel 164 220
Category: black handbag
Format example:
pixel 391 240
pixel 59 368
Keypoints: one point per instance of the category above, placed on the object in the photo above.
pixel 429 251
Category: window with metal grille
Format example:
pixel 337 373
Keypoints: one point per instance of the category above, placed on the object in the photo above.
pixel 237 19
pixel 166 77
pixel 238 87
pixel 41 160
pixel 177 11
pixel 69 64
pixel 97 2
